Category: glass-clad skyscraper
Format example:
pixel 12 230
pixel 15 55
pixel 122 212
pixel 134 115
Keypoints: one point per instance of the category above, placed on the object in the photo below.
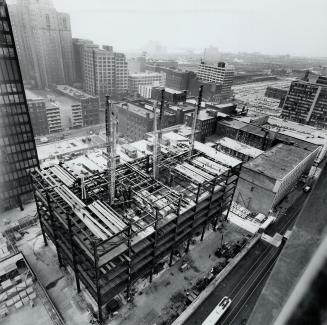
pixel 17 145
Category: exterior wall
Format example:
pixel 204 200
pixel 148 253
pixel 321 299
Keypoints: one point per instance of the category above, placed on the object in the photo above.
pixel 77 117
pixel 54 118
pixel 90 111
pixel 253 197
pixel 38 114
pixel 17 146
pixel 169 96
pixel 105 72
pixel 133 126
pixel 219 74
pixel 78 45
pixel 175 79
pixel 145 79
pixel 233 153
pixel 290 180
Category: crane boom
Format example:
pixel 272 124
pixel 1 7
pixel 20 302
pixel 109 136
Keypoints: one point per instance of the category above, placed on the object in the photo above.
pixel 157 135
pixel 195 116
pixel 111 131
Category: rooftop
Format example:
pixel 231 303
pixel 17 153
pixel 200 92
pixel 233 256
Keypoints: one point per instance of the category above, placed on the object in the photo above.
pixel 216 155
pixel 278 161
pixel 73 92
pixel 235 124
pixel 145 74
pixel 240 147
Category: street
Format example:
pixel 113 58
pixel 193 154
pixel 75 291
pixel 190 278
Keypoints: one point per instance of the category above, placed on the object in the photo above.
pixel 245 282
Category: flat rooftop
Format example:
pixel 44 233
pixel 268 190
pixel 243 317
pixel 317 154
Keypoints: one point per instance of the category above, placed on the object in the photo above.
pixel 232 123
pixel 216 155
pixel 73 92
pixel 278 161
pixel 144 74
pixel 240 147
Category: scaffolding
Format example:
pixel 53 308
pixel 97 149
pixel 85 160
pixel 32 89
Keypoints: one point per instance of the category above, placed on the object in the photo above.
pixel 110 247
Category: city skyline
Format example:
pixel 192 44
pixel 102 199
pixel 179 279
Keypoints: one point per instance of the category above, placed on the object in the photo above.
pixel 272 27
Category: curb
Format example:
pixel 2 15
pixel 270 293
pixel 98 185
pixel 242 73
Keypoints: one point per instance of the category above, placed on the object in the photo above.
pixel 207 291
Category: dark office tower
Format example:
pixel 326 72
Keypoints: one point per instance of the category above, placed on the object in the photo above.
pixel 17 146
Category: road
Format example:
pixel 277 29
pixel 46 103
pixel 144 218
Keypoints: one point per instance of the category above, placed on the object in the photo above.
pixel 245 282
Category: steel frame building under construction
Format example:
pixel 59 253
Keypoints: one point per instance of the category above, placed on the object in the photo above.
pixel 110 247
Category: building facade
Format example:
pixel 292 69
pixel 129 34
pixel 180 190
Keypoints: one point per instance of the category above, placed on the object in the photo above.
pixel 78 47
pixel 85 108
pixel 53 117
pixel 17 146
pixel 306 102
pixel 267 179
pixel 105 72
pixel 38 114
pixel 218 74
pixel 145 79
pixel 44 42
pixel 135 119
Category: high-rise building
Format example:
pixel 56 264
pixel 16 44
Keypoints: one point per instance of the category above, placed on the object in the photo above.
pixel 44 42
pixel 145 79
pixel 219 74
pixel 78 47
pixel 17 146
pixel 306 102
pixel 105 72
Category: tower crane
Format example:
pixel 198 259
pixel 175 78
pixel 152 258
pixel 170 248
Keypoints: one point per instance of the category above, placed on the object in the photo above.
pixel 195 117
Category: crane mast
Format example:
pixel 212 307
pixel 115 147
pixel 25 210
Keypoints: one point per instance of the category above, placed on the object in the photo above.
pixel 157 135
pixel 195 116
pixel 111 135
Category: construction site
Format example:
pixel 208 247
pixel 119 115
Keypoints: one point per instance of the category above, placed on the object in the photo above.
pixel 117 226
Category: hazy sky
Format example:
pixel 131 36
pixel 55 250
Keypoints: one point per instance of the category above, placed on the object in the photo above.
pixel 296 27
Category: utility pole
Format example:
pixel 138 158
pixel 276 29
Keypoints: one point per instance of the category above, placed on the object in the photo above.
pixel 195 117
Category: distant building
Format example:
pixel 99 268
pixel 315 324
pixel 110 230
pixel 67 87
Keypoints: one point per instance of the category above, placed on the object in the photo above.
pixel 78 47
pixel 18 153
pixel 136 65
pixel 145 91
pixel 221 74
pixel 44 42
pixel 38 114
pixel 306 102
pixel 135 119
pixel 206 123
pixel 145 79
pixel 53 117
pixel 267 179
pixel 77 116
pixel 85 108
pixel 237 149
pixel 105 72
pixel 212 92
pixel 175 79
pixel 171 95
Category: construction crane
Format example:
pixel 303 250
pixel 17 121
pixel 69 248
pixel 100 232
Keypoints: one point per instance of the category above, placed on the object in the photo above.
pixel 111 135
pixel 195 117
pixel 157 135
